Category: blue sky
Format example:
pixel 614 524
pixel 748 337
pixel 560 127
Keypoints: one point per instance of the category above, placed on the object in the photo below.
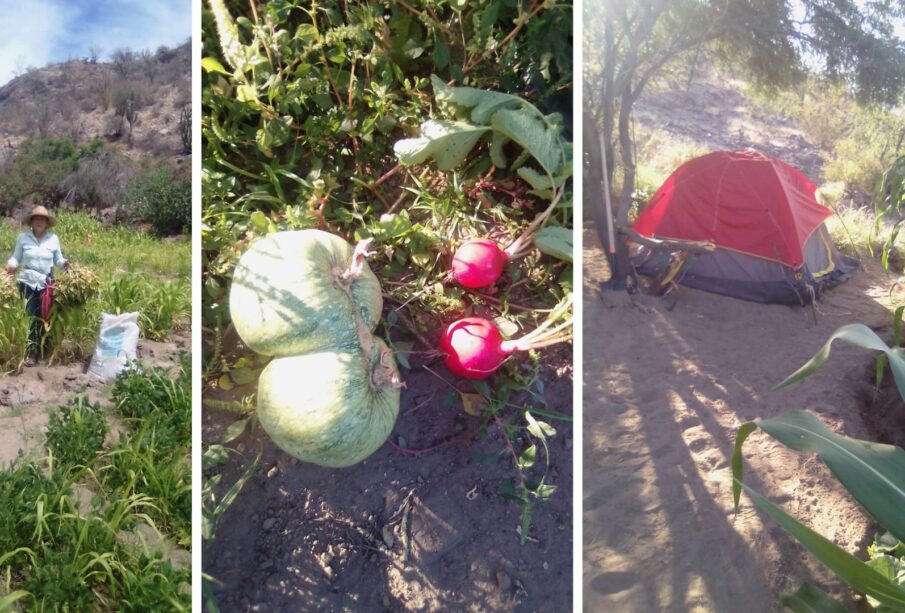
pixel 38 32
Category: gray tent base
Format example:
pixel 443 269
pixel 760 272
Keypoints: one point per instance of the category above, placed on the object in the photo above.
pixel 756 279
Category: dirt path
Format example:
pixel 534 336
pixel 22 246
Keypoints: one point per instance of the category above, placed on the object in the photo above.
pixel 664 394
pixel 26 398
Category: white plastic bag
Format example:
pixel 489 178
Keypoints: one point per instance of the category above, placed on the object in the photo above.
pixel 117 345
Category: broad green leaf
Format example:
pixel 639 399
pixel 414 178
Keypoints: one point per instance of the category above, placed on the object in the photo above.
pixel 811 599
pixel 246 93
pixel 873 473
pixel 448 142
pixel 210 64
pixel 441 54
pixel 534 133
pixel 861 336
pixel 482 102
pixel 234 431
pixel 538 181
pixel 307 33
pixel 555 241
pixel 496 150
pixel 850 569
pixel 243 375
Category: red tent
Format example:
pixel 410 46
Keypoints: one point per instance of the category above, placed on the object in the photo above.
pixel 762 216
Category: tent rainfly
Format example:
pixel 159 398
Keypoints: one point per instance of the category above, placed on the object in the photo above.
pixel 761 214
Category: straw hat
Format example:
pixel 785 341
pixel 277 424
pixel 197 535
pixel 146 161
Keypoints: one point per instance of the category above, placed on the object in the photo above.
pixel 40 211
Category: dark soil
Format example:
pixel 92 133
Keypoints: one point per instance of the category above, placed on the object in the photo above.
pixel 397 532
pixel 883 410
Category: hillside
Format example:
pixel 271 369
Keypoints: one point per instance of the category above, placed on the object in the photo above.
pixel 81 100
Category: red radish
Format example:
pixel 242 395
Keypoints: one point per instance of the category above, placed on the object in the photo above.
pixel 475 349
pixel 478 263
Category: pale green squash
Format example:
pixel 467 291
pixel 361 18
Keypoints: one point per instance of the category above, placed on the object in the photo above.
pixel 292 292
pixel 332 408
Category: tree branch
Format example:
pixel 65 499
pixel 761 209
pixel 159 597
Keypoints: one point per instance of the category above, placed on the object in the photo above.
pixel 656 244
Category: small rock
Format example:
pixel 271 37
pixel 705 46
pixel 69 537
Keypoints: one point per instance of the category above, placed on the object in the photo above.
pixel 268 523
pixel 388 536
pixel 503 581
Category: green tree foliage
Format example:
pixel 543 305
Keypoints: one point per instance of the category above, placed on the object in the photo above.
pixel 160 198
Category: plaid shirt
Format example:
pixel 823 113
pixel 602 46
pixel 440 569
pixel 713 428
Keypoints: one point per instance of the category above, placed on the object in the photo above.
pixel 36 258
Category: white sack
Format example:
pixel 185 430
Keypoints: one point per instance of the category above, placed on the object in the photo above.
pixel 117 345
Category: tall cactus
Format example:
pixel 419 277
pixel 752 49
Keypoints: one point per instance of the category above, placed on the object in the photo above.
pixel 130 114
pixel 185 129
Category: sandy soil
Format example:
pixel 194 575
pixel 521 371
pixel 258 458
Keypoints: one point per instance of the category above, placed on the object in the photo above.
pixel 664 394
pixel 26 398
pixel 666 386
pixel 396 532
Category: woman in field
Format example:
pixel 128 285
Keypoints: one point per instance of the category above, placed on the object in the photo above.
pixel 35 254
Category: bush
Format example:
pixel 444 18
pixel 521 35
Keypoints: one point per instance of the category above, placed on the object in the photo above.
pixel 159 198
pixel 76 432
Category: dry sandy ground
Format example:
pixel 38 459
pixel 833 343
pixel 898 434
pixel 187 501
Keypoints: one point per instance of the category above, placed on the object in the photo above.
pixel 664 394
pixel 666 390
pixel 26 398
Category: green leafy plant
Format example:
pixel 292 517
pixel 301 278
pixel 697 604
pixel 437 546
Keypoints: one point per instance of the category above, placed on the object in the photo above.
pixel 161 199
pixel 76 432
pixel 873 473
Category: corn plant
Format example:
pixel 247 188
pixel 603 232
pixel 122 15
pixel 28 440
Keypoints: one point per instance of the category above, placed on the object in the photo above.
pixel 873 473
pixel 889 202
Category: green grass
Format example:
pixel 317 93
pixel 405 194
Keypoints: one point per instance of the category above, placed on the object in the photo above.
pixel 138 272
pixel 62 552
pixel 855 232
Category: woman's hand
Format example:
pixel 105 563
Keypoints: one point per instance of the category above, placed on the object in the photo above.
pixel 11 269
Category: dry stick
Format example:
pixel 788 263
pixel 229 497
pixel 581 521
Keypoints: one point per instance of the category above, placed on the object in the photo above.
pixel 511 305
pixel 518 471
pixel 399 200
pixel 462 438
pixel 409 324
pixel 387 175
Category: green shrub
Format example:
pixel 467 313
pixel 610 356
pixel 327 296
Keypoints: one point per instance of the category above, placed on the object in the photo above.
pixel 76 432
pixel 160 198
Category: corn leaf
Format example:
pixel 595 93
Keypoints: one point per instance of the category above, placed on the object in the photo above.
pixel 811 599
pixel 850 569
pixel 7 602
pixel 448 142
pixel 873 473
pixel 861 336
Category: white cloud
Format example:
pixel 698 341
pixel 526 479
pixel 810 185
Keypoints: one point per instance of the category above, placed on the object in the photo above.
pixel 38 32
pixel 30 31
